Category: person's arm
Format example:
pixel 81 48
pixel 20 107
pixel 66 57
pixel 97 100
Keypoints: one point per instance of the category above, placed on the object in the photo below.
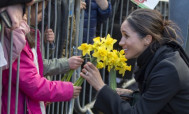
pixel 38 87
pixel 103 4
pixel 62 65
pixel 55 66
pixel 164 84
pixel 104 10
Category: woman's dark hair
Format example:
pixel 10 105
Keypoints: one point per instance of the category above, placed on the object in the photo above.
pixel 150 22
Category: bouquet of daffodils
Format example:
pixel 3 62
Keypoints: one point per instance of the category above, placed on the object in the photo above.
pixel 104 56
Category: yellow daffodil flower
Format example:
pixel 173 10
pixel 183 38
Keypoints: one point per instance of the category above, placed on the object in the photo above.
pixel 86 48
pixel 100 54
pixel 109 42
pixel 100 65
pixel 105 56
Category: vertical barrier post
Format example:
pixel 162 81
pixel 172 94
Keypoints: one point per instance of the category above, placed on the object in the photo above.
pixel 10 74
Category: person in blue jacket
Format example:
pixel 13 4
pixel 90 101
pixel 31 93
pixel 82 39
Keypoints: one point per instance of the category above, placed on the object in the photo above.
pixel 100 11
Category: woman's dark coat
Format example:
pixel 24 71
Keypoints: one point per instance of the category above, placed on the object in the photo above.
pixel 165 89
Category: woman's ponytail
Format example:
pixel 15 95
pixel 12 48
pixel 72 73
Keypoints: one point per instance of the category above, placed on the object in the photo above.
pixel 170 30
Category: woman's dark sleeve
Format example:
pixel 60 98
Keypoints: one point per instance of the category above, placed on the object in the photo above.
pixel 4 3
pixel 109 102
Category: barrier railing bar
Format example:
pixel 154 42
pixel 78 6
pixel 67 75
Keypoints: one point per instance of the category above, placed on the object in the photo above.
pixel 36 24
pixel 121 12
pixel 17 85
pixel 2 43
pixel 127 12
pixel 10 74
pixel 42 28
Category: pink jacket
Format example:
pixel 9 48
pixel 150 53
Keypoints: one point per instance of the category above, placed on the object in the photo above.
pixel 32 86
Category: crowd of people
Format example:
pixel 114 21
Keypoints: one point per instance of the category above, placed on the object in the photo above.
pixel 162 71
pixel 34 88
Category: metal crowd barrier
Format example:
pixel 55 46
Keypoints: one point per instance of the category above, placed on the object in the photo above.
pixel 59 15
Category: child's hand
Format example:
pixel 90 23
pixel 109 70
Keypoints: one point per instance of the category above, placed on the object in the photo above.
pixel 77 91
pixel 75 62
pixel 82 5
pixel 49 35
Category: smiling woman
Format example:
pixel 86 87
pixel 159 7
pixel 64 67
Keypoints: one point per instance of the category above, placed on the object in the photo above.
pixel 162 74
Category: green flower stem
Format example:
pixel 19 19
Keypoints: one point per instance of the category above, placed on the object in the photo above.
pixel 64 77
pixel 113 84
pixel 94 60
pixel 79 81
pixel 67 76
pixel 70 73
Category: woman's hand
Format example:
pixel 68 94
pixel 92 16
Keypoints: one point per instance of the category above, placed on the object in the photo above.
pixel 121 91
pixel 77 91
pixel 124 93
pixel 75 62
pixel 92 75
